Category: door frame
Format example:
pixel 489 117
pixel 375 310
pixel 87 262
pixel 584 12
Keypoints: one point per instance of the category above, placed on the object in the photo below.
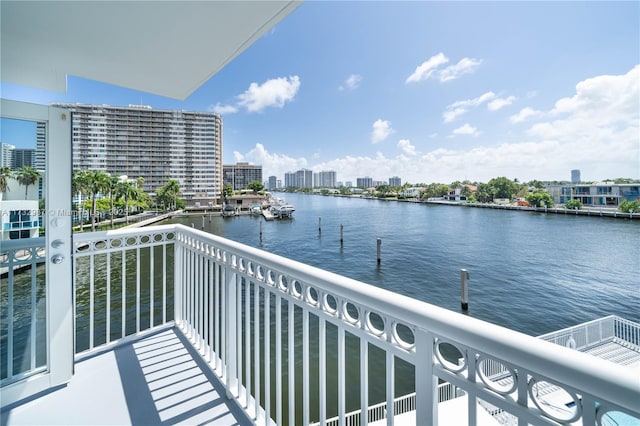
pixel 59 279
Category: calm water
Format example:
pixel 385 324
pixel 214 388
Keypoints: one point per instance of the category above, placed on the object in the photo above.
pixel 530 272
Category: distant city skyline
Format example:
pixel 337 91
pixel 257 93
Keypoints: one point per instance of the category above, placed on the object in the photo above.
pixel 427 91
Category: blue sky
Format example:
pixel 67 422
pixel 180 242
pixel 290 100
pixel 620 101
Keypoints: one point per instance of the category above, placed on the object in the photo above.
pixel 428 91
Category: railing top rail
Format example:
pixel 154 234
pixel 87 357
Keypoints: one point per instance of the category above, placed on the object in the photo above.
pixel 122 232
pixel 21 243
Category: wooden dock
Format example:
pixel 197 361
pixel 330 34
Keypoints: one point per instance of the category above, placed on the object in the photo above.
pixel 266 213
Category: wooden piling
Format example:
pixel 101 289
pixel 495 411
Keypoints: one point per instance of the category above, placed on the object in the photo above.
pixel 341 233
pixel 379 242
pixel 464 289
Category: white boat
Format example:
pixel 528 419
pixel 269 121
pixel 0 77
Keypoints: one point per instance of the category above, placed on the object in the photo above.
pixel 228 210
pixel 256 209
pixel 282 211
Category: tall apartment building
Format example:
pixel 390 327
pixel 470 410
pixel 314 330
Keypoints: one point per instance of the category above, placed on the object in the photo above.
pixel 364 182
pixel 395 181
pixel 240 175
pixel 6 155
pixel 14 158
pixel 24 157
pixel 324 179
pixel 273 183
pixel 575 176
pixel 302 178
pixel 156 145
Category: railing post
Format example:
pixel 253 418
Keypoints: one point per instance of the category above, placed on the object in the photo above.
pixel 230 331
pixel 426 382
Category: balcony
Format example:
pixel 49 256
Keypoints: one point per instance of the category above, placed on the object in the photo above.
pixel 176 325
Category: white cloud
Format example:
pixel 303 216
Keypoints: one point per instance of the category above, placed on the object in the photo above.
pixel 465 66
pixel 466 129
pixel 351 83
pixel 223 109
pixel 272 164
pixel 406 147
pixel 459 108
pixel 381 130
pixel 499 103
pixel 427 68
pixel 595 130
pixel 272 93
pixel 524 114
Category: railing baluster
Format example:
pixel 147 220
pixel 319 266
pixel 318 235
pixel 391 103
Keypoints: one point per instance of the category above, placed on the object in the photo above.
pixel 341 375
pixel 322 373
pixel 108 312
pixel 34 311
pixel 217 315
pixel 306 385
pixel 238 327
pixel 10 312
pixel 151 286
pixel 247 342
pixel 267 357
pixel 207 308
pixel 256 349
pixel 278 301
pixel 92 269
pixel 138 289
pixel 223 323
pixel 390 392
pixel 364 382
pixel 291 362
pixel 164 283
pixel 123 281
pixel 211 313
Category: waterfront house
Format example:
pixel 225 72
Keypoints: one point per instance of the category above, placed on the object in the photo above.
pixel 168 324
pixel 599 194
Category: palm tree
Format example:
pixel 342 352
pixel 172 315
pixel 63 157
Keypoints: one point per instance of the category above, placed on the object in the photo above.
pixel 97 182
pixel 112 183
pixel 129 191
pixel 80 184
pixel 5 175
pixel 27 176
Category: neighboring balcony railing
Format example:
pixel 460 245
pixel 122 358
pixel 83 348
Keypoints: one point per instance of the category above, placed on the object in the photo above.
pixel 295 344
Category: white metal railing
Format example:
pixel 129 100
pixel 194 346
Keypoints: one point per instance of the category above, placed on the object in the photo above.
pixel 295 344
pixel 23 337
pixel 607 329
pixel 228 294
pixel 123 284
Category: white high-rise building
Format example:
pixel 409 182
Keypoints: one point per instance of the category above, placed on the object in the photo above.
pixel 156 145
pixel 324 179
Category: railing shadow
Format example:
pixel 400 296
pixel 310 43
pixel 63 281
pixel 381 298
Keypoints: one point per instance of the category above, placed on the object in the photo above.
pixel 162 387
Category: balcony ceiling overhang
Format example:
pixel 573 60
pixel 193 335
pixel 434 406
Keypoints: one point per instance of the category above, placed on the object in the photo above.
pixel 168 48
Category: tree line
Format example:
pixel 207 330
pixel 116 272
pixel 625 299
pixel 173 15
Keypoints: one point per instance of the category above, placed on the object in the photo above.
pixel 104 192
pixel 25 176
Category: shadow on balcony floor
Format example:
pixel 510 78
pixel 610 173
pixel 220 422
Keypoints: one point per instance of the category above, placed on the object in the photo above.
pixel 159 379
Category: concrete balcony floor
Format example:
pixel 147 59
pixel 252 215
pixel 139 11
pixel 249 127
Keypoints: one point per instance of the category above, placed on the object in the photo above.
pixel 158 379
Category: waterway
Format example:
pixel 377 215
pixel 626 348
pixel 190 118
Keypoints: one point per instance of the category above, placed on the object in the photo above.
pixel 531 272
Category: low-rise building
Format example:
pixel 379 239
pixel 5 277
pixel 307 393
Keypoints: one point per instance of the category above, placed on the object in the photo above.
pixel 601 194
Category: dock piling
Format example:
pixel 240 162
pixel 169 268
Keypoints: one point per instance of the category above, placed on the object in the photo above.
pixel 319 225
pixel 464 289
pixel 341 231
pixel 379 242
